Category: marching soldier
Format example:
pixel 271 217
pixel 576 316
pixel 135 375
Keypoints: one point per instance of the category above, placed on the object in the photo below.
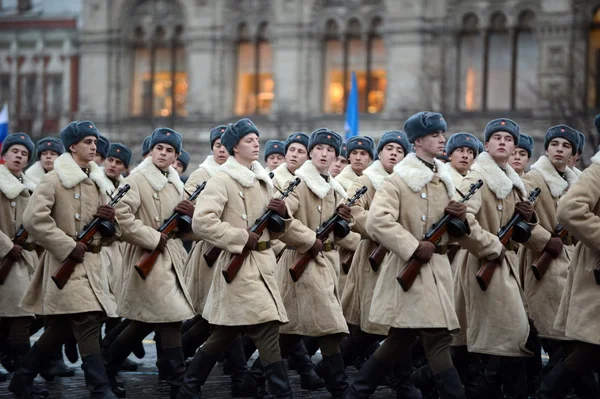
pixel 361 151
pixel 251 303
pixel 102 150
pixel 296 153
pixel 340 162
pixel 405 207
pixel 65 200
pixel 579 212
pixel 461 150
pixel 520 158
pixel 181 164
pixel 47 150
pixel 160 302
pixel 274 154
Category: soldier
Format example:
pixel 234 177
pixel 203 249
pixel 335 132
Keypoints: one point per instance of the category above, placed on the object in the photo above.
pixel 552 175
pixel 423 183
pixel 181 164
pixel 574 160
pixel 461 150
pixel 358 293
pixel 340 162
pixel 361 151
pixel 521 157
pixel 274 154
pixel 251 303
pixel 102 150
pixel 146 146
pixel 296 154
pixel 503 335
pixel 579 212
pixel 65 200
pixel 160 302
pixel 47 150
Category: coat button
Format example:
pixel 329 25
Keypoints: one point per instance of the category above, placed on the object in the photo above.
pixel 13 204
pixel 155 195
pixel 77 216
pixel 423 217
pixel 244 216
pixel 77 195
pixel 499 207
pixel 156 219
pixel 319 208
pixel 241 193
pixel 423 195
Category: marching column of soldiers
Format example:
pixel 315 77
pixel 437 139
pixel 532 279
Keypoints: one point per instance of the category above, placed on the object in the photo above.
pixel 439 267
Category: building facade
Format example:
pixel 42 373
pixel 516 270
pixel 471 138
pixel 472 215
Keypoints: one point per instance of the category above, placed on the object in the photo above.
pixel 193 64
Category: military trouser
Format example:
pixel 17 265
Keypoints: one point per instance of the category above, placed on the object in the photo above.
pixel 329 344
pixel 17 329
pixel 84 326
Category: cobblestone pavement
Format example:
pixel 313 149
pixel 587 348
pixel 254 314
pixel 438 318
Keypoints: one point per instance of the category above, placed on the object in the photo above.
pixel 144 382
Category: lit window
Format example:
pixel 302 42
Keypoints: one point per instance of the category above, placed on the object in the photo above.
pixel 594 61
pixel 471 65
pixel 54 95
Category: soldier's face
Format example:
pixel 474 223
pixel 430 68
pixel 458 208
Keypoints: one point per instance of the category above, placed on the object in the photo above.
pixel 99 160
pixel 574 159
pixel 274 160
pixel 220 153
pixel 519 160
pixel 163 155
pixel 47 159
pixel 84 151
pixel 559 152
pixel 337 166
pixel 322 156
pixel 461 159
pixel 114 167
pixel 15 158
pixel 500 146
pixel 248 148
pixel 431 145
pixel 359 159
pixel 390 155
pixel 178 166
pixel 295 156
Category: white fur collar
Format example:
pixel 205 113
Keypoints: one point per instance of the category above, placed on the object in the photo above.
pixel 315 182
pixel 497 180
pixel 347 177
pixel 246 177
pixel 10 186
pixel 416 174
pixel 576 171
pixel 282 175
pixel 70 174
pixel 210 166
pixel 456 176
pixel 596 158
pixel 376 173
pixel 35 172
pixel 555 182
pixel 157 180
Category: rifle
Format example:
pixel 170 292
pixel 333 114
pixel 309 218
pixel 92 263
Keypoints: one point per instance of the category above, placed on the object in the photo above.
pixel 347 262
pixel 63 273
pixel 8 262
pixel 146 262
pixel 485 273
pixel 322 233
pixel 542 263
pixel 236 262
pixel 409 273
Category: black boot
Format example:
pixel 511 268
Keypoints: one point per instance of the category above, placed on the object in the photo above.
pixel 21 383
pixel 370 376
pixel 489 384
pixel 448 384
pixel 514 379
pixel 405 389
pixel 7 356
pixel 336 380
pixel 20 351
pixel 115 355
pixel 558 383
pixel 587 387
pixel 236 358
pixel 128 365
pixel 96 379
pixel 175 368
pixel 196 374
pixel 56 367
pixel 309 380
pixel 277 380
pixel 253 383
pixel 424 381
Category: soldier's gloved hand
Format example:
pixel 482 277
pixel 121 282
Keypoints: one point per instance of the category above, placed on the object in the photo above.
pixel 424 251
pixel 554 246
pixel 162 243
pixel 106 212
pixel 185 207
pixel 525 209
pixel 78 253
pixel 15 252
pixel 277 205
pixel 345 213
pixel 316 248
pixel 499 258
pixel 456 210
pixel 252 240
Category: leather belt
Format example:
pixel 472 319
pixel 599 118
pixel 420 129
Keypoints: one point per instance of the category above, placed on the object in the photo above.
pixel 441 249
pixel 94 248
pixel 29 246
pixel 262 246
pixel 511 246
pixel 327 246
pixel 570 240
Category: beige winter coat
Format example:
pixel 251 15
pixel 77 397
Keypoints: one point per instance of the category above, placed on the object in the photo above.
pixel 162 297
pixel 35 173
pixel 62 204
pixel 312 303
pixel 358 292
pixel 14 196
pixel 579 213
pixel 230 203
pixel 543 297
pixel 403 210
pixel 281 179
pixel 496 319
pixel 198 276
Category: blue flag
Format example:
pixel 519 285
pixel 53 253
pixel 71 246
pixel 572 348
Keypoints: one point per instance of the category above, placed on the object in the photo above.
pixel 3 124
pixel 351 125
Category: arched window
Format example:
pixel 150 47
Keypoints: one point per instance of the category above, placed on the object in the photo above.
pixel 498 65
pixel 526 64
pixel 376 69
pixel 255 85
pixel 334 70
pixel 471 64
pixel 594 61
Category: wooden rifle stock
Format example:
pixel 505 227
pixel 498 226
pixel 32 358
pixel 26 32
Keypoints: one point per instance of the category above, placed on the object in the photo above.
pixel 7 263
pixel 377 256
pixel 409 273
pixel 542 263
pixel 211 254
pixel 236 262
pixel 144 265
pixel 486 272
pixel 63 273
pixel 347 262
pixel 297 269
